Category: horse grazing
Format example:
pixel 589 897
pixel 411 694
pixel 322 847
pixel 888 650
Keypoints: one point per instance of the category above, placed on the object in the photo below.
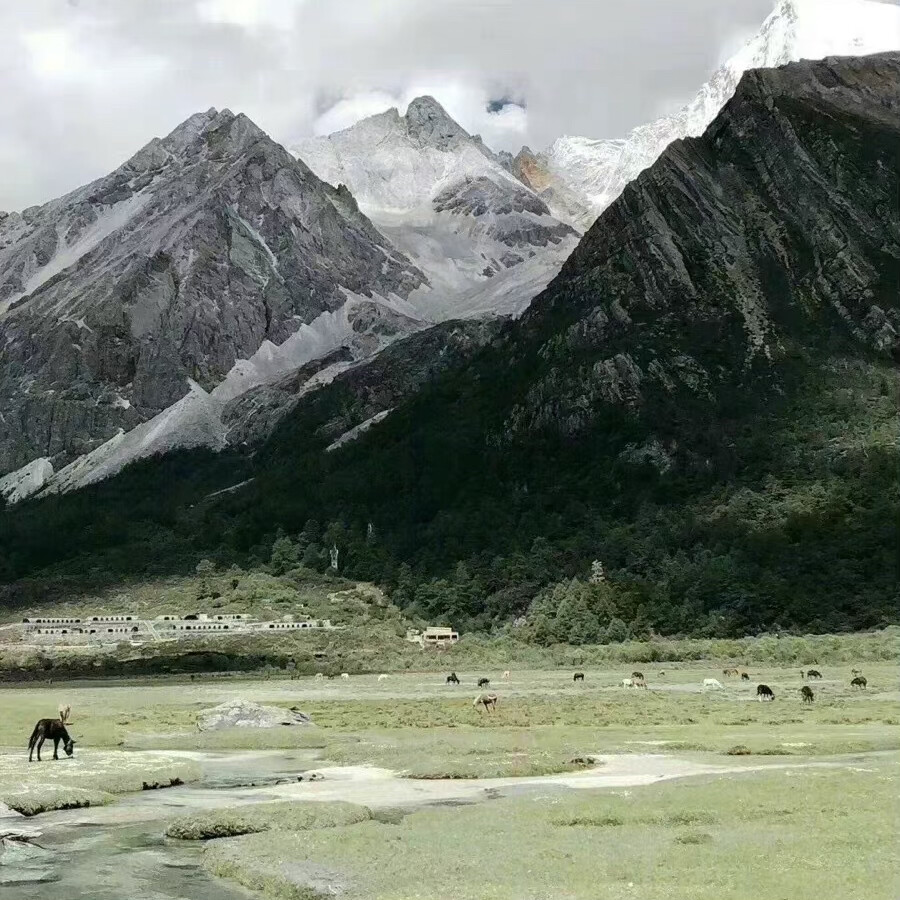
pixel 713 683
pixel 730 672
pixel 578 676
pixel 55 730
pixel 764 692
pixel 813 673
pixel 484 682
pixel 485 701
pixel 382 677
pixel 452 678
pixel 345 676
pixel 745 676
pixel 505 675
pixel 627 682
pixel 859 682
pixel 806 692
pixel 637 676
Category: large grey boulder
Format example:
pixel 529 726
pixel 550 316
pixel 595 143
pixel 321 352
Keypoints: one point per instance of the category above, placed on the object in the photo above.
pixel 240 713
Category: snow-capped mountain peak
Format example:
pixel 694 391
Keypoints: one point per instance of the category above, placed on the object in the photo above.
pixel 487 243
pixel 598 170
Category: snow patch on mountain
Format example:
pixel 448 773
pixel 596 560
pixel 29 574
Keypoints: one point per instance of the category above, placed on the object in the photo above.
pixel 357 430
pixel 26 481
pixel 194 421
pixel 364 324
pixel 109 220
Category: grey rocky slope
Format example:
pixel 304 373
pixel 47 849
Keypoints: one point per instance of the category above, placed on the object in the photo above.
pixel 204 247
pixel 364 393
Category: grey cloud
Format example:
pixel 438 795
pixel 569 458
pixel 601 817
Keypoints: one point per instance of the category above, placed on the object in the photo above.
pixel 135 69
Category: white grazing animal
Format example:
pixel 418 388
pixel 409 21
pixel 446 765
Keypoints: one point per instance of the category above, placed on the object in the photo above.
pixel 505 675
pixel 382 677
pixel 627 682
pixel 345 676
pixel 320 676
pixel 713 683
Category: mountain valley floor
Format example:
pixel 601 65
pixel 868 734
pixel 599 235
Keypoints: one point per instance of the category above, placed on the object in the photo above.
pixel 684 790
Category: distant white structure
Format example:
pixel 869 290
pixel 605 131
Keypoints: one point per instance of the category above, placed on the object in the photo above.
pixel 433 636
pixel 334 553
pixel 167 626
pixel 598 576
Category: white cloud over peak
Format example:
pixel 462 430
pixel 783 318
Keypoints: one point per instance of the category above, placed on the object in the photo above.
pixel 85 83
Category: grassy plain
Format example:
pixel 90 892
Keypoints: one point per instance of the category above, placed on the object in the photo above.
pixel 813 831
pixel 800 834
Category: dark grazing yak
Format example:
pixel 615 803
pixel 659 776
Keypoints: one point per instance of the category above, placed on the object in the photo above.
pixel 50 729
pixel 806 692
pixel 764 692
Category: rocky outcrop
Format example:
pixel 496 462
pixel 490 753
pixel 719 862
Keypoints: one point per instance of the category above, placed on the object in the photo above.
pixel 179 264
pixel 240 713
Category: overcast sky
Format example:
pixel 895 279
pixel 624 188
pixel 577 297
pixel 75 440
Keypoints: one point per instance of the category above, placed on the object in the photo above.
pixel 85 83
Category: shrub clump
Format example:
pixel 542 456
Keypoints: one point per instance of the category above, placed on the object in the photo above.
pixel 258 817
pixel 739 750
pixel 694 837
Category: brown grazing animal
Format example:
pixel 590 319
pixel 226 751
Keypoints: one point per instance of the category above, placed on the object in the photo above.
pixel 730 672
pixel 55 730
pixel 745 676
pixel 813 673
pixel 807 694
pixel 487 701
pixel 859 682
pixel 637 676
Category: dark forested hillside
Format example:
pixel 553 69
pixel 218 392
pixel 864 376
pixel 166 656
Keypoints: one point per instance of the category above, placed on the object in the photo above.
pixel 704 401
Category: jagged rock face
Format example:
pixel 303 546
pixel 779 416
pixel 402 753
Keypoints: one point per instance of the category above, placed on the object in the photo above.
pixel 183 261
pixel 596 171
pixel 773 238
pixel 363 391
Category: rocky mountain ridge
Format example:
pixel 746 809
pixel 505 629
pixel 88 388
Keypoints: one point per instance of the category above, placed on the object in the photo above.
pixel 187 269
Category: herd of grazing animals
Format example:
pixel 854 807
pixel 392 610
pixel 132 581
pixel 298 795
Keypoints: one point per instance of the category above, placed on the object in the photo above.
pixel 56 731
pixel 763 691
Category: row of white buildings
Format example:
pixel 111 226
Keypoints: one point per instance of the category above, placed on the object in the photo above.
pixel 169 626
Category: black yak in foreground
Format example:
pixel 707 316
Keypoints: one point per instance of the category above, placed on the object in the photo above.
pixel 54 730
